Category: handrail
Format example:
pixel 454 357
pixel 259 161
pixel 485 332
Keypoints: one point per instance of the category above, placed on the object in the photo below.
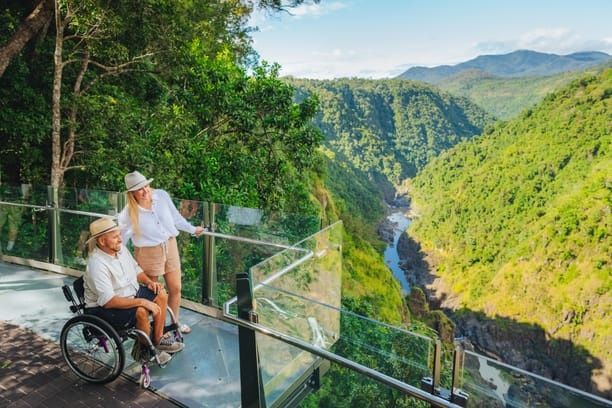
pixel 340 310
pixel 252 241
pixel 541 378
pixel 376 375
pixel 41 207
pixel 210 233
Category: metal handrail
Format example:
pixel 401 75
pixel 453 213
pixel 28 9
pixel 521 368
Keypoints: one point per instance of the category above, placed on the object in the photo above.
pixel 541 378
pixel 375 375
pixel 210 233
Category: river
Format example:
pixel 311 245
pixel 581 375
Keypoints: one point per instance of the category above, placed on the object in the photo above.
pixel 400 222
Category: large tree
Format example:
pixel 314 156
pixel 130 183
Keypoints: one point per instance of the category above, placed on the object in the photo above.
pixel 34 23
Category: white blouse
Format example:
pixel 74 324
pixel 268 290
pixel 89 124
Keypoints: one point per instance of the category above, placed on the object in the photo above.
pixel 157 225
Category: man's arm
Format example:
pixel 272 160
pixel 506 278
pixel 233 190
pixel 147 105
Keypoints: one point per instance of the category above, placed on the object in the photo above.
pixel 118 302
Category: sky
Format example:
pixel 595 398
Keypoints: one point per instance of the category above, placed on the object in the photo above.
pixel 383 38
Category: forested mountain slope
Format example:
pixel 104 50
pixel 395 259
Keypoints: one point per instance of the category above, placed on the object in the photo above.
pixel 390 127
pixel 519 219
pixel 505 98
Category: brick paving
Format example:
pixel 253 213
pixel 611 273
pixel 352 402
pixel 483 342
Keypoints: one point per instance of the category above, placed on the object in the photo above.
pixel 33 374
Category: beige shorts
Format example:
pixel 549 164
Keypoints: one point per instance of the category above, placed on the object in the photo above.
pixel 160 259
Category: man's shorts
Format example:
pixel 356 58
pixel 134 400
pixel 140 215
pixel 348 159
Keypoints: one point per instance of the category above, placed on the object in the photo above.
pixel 122 318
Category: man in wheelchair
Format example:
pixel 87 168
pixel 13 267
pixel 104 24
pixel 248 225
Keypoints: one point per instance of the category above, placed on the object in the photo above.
pixel 119 292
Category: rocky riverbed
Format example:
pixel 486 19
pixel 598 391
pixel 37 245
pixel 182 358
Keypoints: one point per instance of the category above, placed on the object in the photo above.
pixel 526 346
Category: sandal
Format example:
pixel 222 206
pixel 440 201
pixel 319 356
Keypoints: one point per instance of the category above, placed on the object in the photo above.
pixel 184 329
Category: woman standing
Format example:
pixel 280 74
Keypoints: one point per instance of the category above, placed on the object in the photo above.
pixel 152 221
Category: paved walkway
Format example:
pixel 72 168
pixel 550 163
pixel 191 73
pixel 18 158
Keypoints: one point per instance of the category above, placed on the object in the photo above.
pixel 34 374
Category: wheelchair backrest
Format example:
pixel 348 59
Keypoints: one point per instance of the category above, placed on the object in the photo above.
pixel 79 289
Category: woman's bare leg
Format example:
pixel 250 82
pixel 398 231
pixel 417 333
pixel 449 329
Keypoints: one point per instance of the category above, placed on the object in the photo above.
pixel 173 284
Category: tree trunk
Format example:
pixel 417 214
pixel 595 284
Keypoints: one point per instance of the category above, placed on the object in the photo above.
pixel 68 150
pixel 57 173
pixel 37 19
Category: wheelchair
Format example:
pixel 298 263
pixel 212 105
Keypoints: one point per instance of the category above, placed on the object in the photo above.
pixel 93 348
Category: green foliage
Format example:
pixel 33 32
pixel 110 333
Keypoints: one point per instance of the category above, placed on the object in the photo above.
pixel 520 218
pixel 390 127
pixel 505 98
pixel 189 116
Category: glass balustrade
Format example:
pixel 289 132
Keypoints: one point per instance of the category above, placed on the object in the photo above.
pixel 491 383
pixel 296 290
pixel 24 232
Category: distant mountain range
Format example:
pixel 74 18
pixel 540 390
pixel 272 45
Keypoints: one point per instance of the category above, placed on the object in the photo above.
pixel 522 63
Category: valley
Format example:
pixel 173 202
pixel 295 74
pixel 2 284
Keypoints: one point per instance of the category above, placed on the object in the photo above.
pixel 451 228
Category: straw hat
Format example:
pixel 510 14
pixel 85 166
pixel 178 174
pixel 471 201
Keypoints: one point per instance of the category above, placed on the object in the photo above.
pixel 135 181
pixel 100 227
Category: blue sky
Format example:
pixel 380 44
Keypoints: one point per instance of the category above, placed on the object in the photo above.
pixel 382 38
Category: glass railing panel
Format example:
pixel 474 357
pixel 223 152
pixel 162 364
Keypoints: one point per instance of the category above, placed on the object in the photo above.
pixel 393 351
pixel 390 350
pixel 73 234
pixel 191 249
pixel 24 194
pixel 298 294
pixel 282 366
pixel 24 232
pixel 311 268
pixel 231 257
pixel 298 290
pixel 343 387
pixel 493 384
pixel 90 200
pixel 269 226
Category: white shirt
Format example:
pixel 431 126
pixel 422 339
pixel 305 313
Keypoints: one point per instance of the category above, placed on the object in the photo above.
pixel 107 276
pixel 157 225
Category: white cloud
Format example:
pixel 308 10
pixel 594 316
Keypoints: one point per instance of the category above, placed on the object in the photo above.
pixel 316 9
pixel 338 63
pixel 556 40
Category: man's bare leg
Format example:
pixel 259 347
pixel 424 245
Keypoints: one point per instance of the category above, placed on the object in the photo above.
pixel 142 320
pixel 159 321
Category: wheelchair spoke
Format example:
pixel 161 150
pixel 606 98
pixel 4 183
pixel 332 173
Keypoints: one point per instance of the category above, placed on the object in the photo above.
pixel 92 349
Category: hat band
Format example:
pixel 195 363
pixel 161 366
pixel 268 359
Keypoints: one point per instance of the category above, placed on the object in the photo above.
pixel 133 187
pixel 104 231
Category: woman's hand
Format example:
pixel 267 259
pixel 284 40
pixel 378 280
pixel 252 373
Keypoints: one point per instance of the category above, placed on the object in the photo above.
pixel 155 287
pixel 198 231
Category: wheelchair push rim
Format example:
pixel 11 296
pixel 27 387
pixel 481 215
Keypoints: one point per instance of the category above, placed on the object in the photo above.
pixel 92 349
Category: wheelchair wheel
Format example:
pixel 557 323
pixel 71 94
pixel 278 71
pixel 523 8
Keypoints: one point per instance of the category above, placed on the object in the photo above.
pixel 92 349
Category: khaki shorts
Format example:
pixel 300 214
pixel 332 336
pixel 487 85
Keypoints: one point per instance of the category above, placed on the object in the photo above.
pixel 160 259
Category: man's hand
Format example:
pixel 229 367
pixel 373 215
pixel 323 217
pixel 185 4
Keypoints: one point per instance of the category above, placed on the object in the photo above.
pixel 151 307
pixel 155 287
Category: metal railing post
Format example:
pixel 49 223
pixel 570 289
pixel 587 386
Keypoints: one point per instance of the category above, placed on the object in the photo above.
pixel 121 201
pixel 251 384
pixel 54 232
pixel 458 396
pixel 432 384
pixel 209 273
pixel 437 365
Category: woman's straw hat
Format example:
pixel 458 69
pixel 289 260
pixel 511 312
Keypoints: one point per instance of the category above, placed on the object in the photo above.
pixel 135 181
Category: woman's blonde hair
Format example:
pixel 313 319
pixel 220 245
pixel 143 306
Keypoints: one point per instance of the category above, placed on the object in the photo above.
pixel 132 205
